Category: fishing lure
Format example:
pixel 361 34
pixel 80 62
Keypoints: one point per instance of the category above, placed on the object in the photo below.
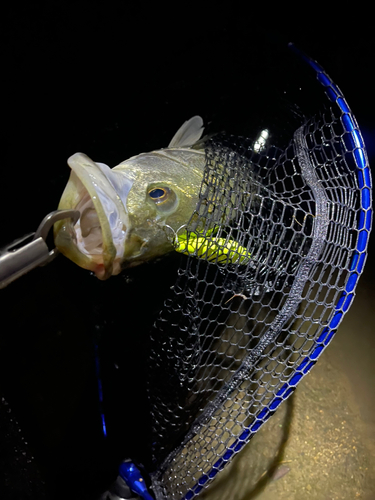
pixel 218 250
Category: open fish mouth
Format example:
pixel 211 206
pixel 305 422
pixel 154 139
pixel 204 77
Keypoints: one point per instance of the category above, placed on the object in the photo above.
pixel 97 240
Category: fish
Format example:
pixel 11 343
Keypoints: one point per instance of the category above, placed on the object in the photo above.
pixel 128 213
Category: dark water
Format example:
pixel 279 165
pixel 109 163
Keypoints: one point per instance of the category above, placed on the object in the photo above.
pixel 81 78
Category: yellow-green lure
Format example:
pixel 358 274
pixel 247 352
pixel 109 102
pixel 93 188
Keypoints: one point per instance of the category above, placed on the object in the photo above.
pixel 220 250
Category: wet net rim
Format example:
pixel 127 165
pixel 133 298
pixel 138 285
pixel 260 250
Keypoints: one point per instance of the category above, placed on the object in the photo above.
pixel 356 266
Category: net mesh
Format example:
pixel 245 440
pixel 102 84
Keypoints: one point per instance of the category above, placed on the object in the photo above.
pixel 235 336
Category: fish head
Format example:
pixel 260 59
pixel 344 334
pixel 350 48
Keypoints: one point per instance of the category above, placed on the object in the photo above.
pixel 127 214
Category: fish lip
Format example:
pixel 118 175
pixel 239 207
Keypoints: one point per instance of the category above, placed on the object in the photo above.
pixel 106 191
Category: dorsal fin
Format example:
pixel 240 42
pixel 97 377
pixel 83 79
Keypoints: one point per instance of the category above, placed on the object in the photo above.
pixel 188 134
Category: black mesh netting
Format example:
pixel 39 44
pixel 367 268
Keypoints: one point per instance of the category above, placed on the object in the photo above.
pixel 232 336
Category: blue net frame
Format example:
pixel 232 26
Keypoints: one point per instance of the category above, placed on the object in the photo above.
pixel 178 487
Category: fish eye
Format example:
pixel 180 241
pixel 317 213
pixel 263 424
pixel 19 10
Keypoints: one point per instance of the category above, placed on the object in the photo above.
pixel 158 194
pixel 164 198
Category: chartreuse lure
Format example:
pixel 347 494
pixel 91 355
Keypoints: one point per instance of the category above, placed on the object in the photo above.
pixel 212 249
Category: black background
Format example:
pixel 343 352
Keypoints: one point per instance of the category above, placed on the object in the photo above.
pixel 113 80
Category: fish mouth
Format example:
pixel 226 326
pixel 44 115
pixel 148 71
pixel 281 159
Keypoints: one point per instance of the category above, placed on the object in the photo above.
pixel 97 240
